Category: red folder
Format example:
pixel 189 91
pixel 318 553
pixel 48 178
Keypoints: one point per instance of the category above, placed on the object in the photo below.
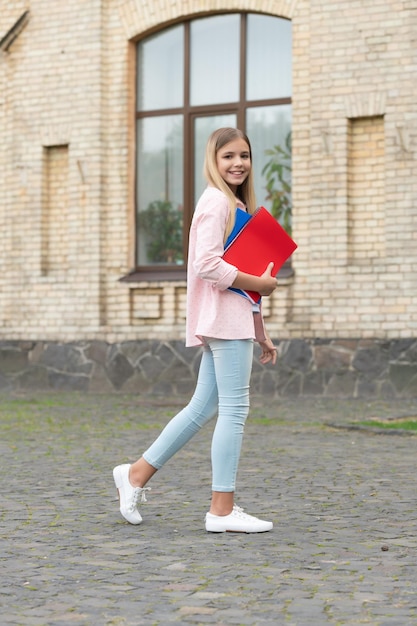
pixel 260 241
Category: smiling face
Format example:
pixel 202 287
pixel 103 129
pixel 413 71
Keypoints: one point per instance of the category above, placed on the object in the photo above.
pixel 234 163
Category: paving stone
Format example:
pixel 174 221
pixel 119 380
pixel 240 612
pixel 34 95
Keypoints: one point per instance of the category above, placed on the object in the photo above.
pixel 342 550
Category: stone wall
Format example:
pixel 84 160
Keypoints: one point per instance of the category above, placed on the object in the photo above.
pixel 332 368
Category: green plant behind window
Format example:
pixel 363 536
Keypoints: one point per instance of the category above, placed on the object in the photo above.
pixel 162 223
pixel 277 172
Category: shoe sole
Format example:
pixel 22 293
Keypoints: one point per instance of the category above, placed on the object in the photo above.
pixel 229 530
pixel 118 481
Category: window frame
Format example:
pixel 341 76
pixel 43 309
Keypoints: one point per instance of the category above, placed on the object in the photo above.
pixel 171 272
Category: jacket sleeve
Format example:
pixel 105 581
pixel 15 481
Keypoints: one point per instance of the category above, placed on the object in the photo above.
pixel 209 224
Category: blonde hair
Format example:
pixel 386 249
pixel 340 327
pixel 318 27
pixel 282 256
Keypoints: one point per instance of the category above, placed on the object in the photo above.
pixel 246 191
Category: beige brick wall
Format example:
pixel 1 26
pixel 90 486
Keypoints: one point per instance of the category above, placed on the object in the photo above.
pixel 67 142
pixel 366 190
pixel 358 63
pixel 54 211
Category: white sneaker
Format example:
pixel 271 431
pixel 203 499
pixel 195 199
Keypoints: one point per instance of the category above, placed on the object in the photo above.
pixel 237 521
pixel 128 495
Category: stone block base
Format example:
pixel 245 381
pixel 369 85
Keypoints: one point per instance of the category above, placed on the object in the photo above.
pixel 330 368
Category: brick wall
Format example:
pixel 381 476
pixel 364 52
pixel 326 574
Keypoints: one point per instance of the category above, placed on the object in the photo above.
pixel 354 117
pixel 67 172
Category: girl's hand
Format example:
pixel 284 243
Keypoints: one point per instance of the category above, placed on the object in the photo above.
pixel 269 283
pixel 269 352
pixel 264 284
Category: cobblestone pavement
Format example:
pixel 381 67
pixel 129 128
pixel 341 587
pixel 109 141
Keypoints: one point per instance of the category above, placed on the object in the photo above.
pixel 343 502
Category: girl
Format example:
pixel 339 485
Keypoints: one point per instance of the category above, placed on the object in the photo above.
pixel 223 323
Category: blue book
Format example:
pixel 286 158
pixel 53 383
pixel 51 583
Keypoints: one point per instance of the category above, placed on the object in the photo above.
pixel 242 218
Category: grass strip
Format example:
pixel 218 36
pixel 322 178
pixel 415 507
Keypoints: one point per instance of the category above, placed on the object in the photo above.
pixel 409 424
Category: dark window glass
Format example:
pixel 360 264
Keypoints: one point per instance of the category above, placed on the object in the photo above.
pixel 184 93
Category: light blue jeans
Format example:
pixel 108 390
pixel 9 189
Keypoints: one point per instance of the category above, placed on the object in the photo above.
pixel 223 389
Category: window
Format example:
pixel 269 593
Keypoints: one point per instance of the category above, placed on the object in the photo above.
pixel 223 70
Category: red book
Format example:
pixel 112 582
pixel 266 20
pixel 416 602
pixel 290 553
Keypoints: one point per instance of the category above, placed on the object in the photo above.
pixel 260 241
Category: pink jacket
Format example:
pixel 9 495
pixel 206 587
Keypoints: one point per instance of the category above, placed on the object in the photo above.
pixel 213 310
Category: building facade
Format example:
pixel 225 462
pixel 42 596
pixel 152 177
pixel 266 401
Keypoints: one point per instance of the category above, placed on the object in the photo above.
pixel 73 309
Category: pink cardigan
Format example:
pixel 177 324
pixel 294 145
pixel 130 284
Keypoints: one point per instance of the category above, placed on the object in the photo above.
pixel 213 310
